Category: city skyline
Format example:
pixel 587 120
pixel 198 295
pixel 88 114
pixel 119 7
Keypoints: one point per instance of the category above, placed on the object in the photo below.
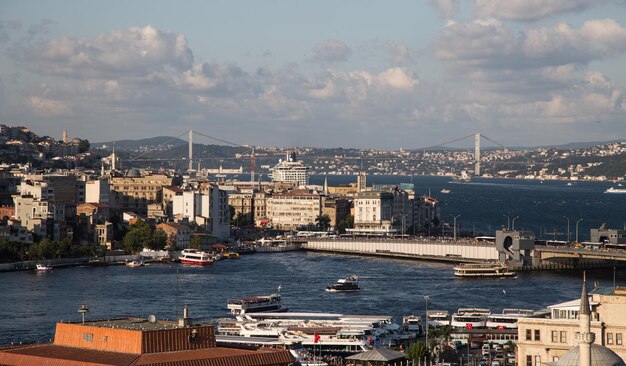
pixel 323 74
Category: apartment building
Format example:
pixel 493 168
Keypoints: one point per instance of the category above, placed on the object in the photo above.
pixel 294 209
pixel 135 192
pixel 178 235
pixel 542 340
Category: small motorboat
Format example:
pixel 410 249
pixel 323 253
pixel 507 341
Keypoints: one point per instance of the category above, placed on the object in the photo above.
pixel 42 268
pixel 350 283
pixel 231 255
pixel 134 263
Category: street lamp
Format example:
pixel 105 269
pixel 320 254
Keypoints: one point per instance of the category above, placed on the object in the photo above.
pixel 515 218
pixel 577 229
pixel 426 298
pixel 83 311
pixel 508 221
pixel 568 236
pixel 455 216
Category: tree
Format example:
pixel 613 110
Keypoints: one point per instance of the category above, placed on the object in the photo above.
pixel 344 224
pixel 83 146
pixel 417 351
pixel 323 222
pixel 138 236
pixel 159 240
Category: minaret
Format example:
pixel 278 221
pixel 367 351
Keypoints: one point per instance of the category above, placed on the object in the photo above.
pixel 325 184
pixel 64 136
pixel 585 338
pixel 113 159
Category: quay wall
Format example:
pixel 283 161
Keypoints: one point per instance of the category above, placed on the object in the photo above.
pixel 442 250
pixel 65 262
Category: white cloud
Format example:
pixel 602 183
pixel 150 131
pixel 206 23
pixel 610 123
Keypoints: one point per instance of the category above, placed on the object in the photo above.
pixel 529 10
pixel 331 51
pixel 447 8
pixel 48 107
pixel 129 52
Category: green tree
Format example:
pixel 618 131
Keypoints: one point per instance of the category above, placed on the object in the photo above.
pixel 323 222
pixel 417 351
pixel 139 235
pixel 344 224
pixel 159 240
pixel 83 146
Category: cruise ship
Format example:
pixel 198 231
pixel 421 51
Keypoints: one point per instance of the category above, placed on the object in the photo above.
pixel 470 318
pixel 257 304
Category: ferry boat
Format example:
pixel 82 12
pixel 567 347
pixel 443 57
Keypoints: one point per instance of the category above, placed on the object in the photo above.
pixel 257 304
pixel 412 323
pixel 470 318
pixel 350 283
pixel 327 333
pixel 483 270
pixel 508 319
pixel 42 268
pixel 615 190
pixel 134 263
pixel 437 318
pixel 195 257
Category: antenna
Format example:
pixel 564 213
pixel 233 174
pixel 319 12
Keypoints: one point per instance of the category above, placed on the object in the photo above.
pixel 176 293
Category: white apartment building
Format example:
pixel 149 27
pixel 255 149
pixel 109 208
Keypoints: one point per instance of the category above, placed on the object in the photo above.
pixel 97 191
pixel 207 207
pixel 294 209
pixel 382 213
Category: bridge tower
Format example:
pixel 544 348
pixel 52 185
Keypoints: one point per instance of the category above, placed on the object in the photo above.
pixel 190 150
pixel 477 154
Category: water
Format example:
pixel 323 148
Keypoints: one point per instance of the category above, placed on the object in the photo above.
pixel 32 303
pixel 541 207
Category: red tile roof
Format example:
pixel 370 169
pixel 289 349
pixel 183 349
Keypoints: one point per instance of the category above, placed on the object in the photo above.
pixel 52 355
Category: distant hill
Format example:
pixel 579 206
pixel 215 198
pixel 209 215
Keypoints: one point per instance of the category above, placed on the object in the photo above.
pixel 135 144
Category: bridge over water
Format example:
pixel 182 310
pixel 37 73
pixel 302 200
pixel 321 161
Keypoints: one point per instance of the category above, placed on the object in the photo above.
pixel 540 257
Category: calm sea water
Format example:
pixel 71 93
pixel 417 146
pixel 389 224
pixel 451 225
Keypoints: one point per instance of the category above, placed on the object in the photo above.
pixel 32 303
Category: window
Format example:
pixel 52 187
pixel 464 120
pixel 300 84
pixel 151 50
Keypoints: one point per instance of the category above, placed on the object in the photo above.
pixel 537 360
pixel 563 336
pixel 88 337
pixel 618 339
pixel 537 335
pixel 529 360
pixel 609 338
pixel 555 338
pixel 529 336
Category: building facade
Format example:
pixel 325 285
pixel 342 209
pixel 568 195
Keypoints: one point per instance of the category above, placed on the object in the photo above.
pixel 294 209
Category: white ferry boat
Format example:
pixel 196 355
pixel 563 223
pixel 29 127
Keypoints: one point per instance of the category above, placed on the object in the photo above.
pixel 257 304
pixel 615 190
pixel 437 318
pixel 508 319
pixel 326 332
pixel 412 323
pixel 42 268
pixel 350 283
pixel 195 257
pixel 483 270
pixel 470 318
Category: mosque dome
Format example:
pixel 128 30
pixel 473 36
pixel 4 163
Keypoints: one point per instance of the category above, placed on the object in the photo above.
pixel 133 173
pixel 600 356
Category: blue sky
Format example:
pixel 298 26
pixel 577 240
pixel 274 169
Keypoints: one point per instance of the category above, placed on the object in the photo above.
pixel 317 73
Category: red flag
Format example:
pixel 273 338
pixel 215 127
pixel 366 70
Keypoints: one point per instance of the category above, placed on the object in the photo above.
pixel 500 326
pixel 469 326
pixel 316 338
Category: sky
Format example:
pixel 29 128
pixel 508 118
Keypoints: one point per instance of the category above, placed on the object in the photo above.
pixel 342 73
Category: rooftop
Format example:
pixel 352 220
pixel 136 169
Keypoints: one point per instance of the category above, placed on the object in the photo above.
pixel 130 324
